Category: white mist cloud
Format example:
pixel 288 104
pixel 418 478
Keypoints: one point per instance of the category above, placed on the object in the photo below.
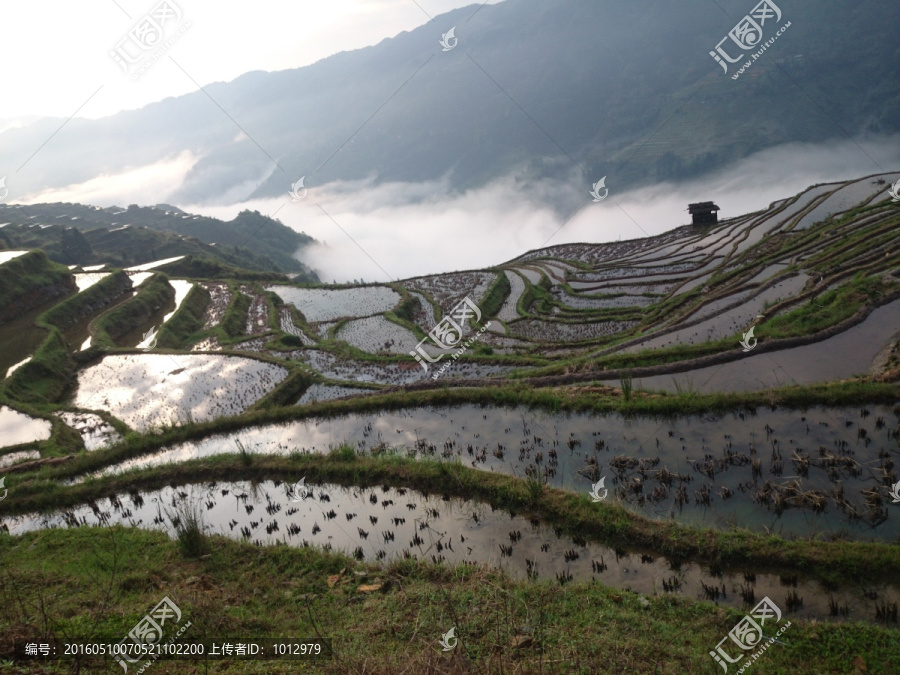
pixel 149 184
pixel 399 230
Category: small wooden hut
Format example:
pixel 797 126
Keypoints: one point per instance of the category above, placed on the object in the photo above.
pixel 704 213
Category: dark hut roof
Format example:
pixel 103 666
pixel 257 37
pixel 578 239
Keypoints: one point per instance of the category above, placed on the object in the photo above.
pixel 702 207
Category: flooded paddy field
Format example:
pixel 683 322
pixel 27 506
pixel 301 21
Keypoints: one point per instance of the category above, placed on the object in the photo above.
pixel 844 355
pixel 319 304
pixel 537 329
pixel 845 198
pixel 182 288
pixel 508 311
pixel 352 370
pixel 16 428
pixel 423 315
pixel 820 472
pixel 93 429
pixel 448 290
pixel 11 458
pixel 257 313
pixel 327 392
pixel 600 302
pixel 6 256
pixel 376 334
pixel 85 281
pixel 153 265
pixel 387 524
pixel 219 299
pixel 286 322
pixel 724 323
pixel 151 390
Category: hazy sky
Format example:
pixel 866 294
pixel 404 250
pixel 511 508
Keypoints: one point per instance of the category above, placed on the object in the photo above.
pixel 55 53
pixel 61 51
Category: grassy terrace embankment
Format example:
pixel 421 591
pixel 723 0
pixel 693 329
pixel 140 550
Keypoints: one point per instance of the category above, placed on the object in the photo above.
pixel 108 578
pixel 152 296
pixel 191 267
pixel 46 377
pixel 29 280
pixel 181 330
pixel 234 324
pixel 87 302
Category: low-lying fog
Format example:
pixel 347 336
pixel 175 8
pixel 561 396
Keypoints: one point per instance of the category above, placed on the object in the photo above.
pixel 398 230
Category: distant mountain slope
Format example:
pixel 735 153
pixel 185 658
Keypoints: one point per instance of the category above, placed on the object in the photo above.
pixel 85 235
pixel 548 87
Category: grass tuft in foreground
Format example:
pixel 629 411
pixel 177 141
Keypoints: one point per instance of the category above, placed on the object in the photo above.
pixel 186 518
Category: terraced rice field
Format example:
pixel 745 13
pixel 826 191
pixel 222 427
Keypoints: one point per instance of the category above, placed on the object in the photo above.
pixel 542 409
pixel 6 256
pixel 375 334
pixel 395 524
pixel 95 432
pixel 585 301
pixel 258 313
pixel 789 471
pixel 723 323
pixel 137 278
pixel 847 354
pixel 13 458
pixel 182 288
pixel 517 286
pixel 844 199
pixel 290 328
pixel 327 392
pixel 395 374
pixel 220 297
pixel 547 331
pixel 85 281
pixel 153 265
pixel 424 316
pixel 147 391
pixel 319 304
pixel 448 290
pixel 16 428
